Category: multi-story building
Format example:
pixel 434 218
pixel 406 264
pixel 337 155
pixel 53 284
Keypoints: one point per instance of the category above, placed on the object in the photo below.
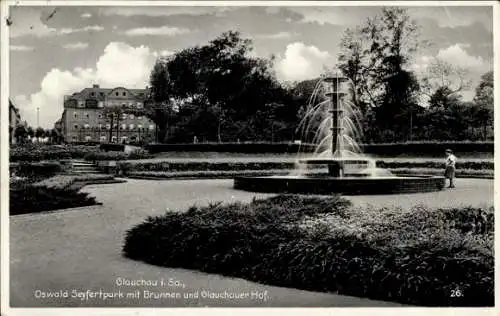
pixel 14 121
pixel 88 116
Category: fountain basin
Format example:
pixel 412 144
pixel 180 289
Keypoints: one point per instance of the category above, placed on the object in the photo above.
pixel 325 185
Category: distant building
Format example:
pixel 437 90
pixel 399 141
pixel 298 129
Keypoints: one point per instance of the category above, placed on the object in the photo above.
pixel 14 121
pixel 84 118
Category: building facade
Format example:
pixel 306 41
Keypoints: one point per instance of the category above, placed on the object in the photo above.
pixel 14 121
pixel 102 115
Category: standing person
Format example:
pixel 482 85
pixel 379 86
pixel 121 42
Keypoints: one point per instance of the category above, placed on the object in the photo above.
pixel 450 167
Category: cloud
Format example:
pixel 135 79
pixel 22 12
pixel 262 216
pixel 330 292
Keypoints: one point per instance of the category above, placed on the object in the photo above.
pixel 302 62
pixel 108 72
pixel 164 30
pixel 94 28
pixel 86 15
pixel 21 48
pixel 76 46
pixel 456 55
pixel 164 10
pixel 279 35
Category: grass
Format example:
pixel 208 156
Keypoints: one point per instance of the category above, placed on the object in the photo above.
pixel 324 244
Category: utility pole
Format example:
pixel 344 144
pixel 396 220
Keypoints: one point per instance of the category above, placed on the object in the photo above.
pixel 38 116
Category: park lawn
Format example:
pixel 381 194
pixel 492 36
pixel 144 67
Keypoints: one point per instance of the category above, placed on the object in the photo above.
pixel 418 256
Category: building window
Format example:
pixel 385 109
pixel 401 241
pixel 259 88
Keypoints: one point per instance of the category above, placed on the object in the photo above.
pixel 124 93
pixel 132 116
pixel 92 93
pixel 101 93
pixel 73 138
pixel 124 105
pixel 87 125
pixel 100 126
pixel 81 104
pixel 88 138
pixel 124 116
pixel 124 126
pixel 101 104
pixel 103 138
pixel 74 114
pixel 108 126
pixel 116 93
pixel 139 126
pixel 151 127
pixel 131 126
pixel 100 115
pixel 76 126
pixel 139 118
pixel 139 105
pixel 86 115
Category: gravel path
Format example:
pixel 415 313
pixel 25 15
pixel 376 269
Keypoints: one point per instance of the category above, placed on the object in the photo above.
pixel 79 249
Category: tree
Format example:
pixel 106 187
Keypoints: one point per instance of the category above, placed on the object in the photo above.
pixel 39 133
pixel 30 132
pixel 442 81
pixel 485 91
pixel 375 56
pixel 113 116
pixel 483 103
pixel 219 83
pixel 20 134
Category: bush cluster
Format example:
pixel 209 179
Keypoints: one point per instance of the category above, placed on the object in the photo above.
pixel 36 199
pixel 415 257
pixel 37 152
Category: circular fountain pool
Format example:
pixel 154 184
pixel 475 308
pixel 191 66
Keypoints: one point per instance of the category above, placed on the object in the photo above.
pixel 352 185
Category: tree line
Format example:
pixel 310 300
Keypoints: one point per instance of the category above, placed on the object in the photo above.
pixel 221 92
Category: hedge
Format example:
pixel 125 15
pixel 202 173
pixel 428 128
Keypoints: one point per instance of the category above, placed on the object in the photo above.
pixel 117 155
pixel 166 166
pixel 392 149
pixel 66 181
pixel 49 152
pixel 35 170
pixel 112 147
pixel 324 244
pixel 254 147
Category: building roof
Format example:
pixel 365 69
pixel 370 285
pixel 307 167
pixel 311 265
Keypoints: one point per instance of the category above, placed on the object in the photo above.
pixel 101 93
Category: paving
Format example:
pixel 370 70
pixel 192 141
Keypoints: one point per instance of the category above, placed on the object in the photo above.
pixel 78 251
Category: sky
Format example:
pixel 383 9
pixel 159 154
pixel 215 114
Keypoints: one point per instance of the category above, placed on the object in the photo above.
pixel 56 51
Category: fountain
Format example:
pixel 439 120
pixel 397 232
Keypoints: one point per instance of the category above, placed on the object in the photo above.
pixel 349 170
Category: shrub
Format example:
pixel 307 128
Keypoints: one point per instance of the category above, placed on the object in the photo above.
pixel 324 244
pixel 36 199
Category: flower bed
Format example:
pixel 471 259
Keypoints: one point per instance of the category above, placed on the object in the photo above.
pixel 417 257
